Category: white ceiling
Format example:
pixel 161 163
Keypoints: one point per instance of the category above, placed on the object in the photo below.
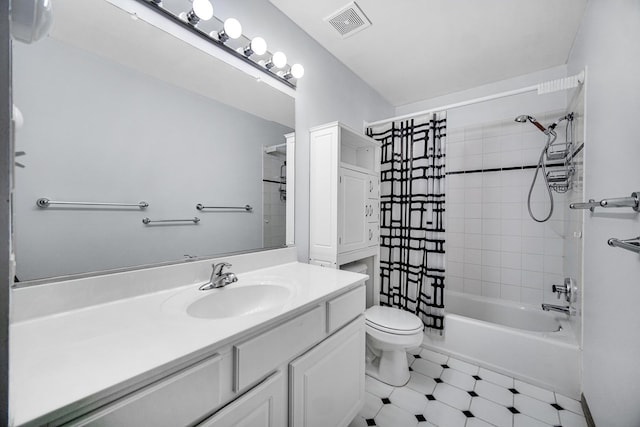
pixel 420 49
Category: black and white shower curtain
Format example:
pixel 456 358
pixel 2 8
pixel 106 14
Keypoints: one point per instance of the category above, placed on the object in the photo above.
pixel 412 202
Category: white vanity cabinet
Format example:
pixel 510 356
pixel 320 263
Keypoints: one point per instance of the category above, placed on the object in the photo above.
pixel 278 374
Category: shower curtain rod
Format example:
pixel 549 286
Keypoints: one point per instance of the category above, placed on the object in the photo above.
pixel 542 88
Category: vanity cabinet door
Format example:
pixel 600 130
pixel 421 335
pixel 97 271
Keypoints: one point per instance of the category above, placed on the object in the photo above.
pixel 263 406
pixel 327 382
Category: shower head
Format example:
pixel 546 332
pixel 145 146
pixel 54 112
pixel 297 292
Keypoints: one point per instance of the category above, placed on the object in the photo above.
pixel 524 118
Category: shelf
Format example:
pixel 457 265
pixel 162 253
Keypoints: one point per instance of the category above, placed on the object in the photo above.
pixel 358 168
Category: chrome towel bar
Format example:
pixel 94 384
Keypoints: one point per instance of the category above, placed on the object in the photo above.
pixel 146 221
pixel 623 202
pixel 45 203
pixel 247 208
pixel 632 245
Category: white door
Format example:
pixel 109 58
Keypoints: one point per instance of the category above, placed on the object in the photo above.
pixel 327 383
pixel 352 210
pixel 264 406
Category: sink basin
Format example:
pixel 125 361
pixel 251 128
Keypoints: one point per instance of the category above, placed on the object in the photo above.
pixel 238 301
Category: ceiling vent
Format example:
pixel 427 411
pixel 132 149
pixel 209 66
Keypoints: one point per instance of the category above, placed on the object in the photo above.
pixel 348 20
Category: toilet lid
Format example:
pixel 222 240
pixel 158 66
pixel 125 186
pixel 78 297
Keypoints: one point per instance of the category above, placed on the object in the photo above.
pixel 392 320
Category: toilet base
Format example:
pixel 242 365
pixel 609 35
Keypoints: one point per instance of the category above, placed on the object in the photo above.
pixel 390 367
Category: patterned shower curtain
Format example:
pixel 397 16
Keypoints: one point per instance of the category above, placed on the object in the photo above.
pixel 412 203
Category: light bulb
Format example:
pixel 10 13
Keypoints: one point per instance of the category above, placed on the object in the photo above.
pixel 258 46
pixel 297 71
pixel 201 10
pixel 279 59
pixel 230 30
pixel 233 28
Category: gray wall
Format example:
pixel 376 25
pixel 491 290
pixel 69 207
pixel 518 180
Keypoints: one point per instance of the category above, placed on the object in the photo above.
pixel 607 44
pixel 6 275
pixel 95 130
pixel 329 91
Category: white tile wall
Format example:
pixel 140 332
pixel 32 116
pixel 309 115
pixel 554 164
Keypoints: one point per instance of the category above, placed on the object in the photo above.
pixel 494 248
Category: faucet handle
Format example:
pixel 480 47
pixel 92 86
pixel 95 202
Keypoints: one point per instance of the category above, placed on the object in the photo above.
pixel 217 268
pixel 569 289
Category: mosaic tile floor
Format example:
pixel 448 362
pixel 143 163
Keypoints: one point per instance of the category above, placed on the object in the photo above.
pixel 446 392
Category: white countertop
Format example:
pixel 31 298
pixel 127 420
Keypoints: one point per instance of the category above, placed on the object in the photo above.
pixel 61 359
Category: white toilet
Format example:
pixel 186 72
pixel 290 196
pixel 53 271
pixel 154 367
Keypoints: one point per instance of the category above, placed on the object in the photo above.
pixel 390 333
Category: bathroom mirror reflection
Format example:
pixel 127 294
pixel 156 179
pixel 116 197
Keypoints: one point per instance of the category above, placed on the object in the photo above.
pixel 118 111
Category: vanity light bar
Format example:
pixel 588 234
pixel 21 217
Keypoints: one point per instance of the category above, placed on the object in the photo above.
pixel 232 29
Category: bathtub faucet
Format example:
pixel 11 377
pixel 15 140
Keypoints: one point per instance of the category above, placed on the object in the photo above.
pixel 566 310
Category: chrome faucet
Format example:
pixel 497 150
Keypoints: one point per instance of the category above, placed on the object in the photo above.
pixel 219 279
pixel 560 309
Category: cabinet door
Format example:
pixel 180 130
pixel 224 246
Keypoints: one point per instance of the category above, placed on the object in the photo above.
pixel 323 187
pixel 352 210
pixel 264 406
pixel 327 383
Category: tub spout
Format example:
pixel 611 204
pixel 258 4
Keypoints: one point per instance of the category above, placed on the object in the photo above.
pixel 566 310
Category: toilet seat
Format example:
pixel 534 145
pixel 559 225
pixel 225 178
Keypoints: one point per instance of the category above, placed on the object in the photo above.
pixel 392 321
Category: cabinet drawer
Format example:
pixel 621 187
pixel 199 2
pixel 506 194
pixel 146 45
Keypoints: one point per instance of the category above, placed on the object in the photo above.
pixel 181 399
pixel 259 356
pixel 343 309
pixel 264 406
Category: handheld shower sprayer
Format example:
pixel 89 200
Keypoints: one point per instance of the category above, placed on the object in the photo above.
pixel 551 138
pixel 524 118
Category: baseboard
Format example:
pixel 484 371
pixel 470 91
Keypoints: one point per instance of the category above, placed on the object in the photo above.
pixel 587 412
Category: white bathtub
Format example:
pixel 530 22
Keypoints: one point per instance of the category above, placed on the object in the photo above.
pixel 518 340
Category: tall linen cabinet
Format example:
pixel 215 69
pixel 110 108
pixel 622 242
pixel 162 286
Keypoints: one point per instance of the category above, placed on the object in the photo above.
pixel 345 201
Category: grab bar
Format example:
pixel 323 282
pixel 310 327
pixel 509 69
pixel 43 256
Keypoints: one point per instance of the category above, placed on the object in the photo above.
pixel 632 245
pixel 623 202
pixel 247 208
pixel 45 203
pixel 147 221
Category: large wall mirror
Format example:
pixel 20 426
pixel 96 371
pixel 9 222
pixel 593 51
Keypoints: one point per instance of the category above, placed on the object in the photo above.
pixel 118 111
